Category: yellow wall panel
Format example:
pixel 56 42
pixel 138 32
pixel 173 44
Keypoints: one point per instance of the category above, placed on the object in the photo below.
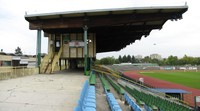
pixel 73 53
pixel 78 52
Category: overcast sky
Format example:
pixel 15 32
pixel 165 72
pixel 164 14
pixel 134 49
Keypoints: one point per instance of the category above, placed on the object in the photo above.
pixel 175 38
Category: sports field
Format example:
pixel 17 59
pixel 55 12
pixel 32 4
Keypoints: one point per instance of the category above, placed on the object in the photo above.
pixel 190 79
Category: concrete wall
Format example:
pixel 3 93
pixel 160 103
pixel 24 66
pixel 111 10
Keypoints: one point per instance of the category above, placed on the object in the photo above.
pixel 14 72
pixel 5 58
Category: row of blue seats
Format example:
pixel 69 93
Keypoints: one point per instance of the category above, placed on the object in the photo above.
pixel 87 101
pixel 147 108
pixel 112 102
pixel 133 105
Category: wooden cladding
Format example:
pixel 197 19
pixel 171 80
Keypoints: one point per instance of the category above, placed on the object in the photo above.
pixel 77 52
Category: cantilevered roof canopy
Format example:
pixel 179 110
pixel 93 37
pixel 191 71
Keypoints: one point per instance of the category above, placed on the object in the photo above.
pixel 114 28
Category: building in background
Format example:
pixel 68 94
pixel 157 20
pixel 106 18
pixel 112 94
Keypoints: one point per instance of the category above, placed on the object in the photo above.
pixel 10 59
pixel 139 57
pixel 156 56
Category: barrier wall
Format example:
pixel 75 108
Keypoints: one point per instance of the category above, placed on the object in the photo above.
pixel 14 72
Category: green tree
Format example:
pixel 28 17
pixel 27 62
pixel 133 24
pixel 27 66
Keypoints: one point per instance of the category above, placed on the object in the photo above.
pixel 163 62
pixel 133 59
pixel 117 61
pixel 124 58
pixel 192 60
pixel 188 60
pixel 198 60
pixel 18 51
pixel 120 58
pixel 128 58
pixel 137 60
pixel 107 61
pixel 185 59
pixel 146 59
pixel 172 60
pixel 154 60
pixel 97 61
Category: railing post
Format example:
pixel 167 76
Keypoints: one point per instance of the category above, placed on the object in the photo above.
pixel 195 103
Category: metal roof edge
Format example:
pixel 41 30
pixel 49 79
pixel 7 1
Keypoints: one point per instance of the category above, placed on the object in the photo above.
pixel 104 10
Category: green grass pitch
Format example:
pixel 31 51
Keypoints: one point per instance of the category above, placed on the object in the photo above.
pixel 190 79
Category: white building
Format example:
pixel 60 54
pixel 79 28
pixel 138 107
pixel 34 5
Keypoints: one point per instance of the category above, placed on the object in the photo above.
pixel 139 57
pixel 156 56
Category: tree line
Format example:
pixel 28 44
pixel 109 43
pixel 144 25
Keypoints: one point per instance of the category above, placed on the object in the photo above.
pixel 171 60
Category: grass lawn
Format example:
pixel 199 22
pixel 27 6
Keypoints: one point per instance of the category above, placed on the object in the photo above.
pixel 191 79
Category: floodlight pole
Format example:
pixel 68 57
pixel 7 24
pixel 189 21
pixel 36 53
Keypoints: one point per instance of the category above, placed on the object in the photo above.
pixel 38 54
pixel 85 28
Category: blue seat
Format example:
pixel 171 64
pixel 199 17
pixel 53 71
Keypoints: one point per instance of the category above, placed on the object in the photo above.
pixel 112 102
pixel 133 105
pixel 89 109
pixel 147 108
pixel 87 101
pixel 89 104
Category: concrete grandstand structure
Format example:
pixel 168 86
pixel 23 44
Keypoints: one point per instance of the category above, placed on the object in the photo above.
pixel 74 39
pixel 93 31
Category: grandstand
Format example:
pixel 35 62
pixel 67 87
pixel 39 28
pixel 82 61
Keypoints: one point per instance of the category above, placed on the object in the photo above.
pixel 74 38
pixel 135 66
pixel 123 94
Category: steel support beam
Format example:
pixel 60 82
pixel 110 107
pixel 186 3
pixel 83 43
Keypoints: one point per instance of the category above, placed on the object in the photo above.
pixel 38 48
pixel 85 28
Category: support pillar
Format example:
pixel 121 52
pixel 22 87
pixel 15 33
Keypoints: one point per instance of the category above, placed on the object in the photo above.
pixel 60 60
pixel 85 28
pixel 38 54
pixel 65 64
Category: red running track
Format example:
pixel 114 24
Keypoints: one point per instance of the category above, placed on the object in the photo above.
pixel 157 83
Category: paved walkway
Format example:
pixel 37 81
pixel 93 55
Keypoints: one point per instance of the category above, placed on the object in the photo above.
pixel 42 92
